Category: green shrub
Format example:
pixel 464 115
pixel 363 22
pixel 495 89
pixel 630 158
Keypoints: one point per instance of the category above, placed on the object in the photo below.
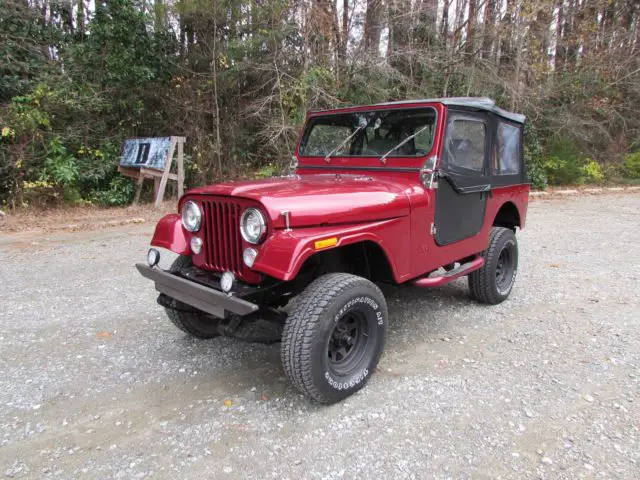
pixel 562 147
pixel 269 170
pixel 561 171
pixel 60 167
pixel 534 160
pixel 592 172
pixel 631 165
pixel 120 192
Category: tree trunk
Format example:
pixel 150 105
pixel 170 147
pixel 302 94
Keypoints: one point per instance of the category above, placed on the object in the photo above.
pixel 488 40
pixel 428 20
pixel 80 20
pixel 560 53
pixel 470 43
pixel 444 24
pixel 345 30
pixel 373 27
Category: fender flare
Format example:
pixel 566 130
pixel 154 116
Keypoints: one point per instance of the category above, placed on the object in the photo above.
pixel 169 234
pixel 284 253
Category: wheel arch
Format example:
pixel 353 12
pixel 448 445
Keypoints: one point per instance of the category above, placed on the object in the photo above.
pixel 364 258
pixel 284 256
pixel 508 216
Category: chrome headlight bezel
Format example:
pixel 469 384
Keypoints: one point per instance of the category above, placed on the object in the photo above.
pixel 262 222
pixel 197 215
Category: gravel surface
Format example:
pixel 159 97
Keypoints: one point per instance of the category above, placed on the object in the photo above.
pixel 95 382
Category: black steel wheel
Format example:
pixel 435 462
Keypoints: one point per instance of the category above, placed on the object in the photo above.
pixel 348 342
pixel 493 282
pixel 334 336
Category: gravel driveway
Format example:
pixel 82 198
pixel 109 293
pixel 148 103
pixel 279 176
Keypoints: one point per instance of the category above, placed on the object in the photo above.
pixel 95 382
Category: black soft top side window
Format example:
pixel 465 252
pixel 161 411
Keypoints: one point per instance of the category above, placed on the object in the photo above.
pixel 466 144
pixel 506 159
pixel 507 166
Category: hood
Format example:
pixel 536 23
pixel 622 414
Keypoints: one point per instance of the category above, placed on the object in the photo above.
pixel 320 199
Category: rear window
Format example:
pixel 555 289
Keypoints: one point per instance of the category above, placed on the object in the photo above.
pixel 507 154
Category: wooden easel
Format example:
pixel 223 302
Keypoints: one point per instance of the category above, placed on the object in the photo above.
pixel 160 177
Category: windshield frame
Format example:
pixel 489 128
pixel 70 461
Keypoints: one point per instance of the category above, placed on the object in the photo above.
pixel 355 110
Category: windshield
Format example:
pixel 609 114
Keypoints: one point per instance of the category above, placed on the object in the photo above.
pixel 373 134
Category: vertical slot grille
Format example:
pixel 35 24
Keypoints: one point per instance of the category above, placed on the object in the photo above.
pixel 223 247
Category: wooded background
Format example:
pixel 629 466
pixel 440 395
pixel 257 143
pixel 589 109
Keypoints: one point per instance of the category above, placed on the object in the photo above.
pixel 237 78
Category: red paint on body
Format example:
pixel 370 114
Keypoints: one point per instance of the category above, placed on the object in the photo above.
pixel 354 199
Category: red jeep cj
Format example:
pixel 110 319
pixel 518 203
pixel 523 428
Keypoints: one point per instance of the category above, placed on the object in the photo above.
pixel 419 192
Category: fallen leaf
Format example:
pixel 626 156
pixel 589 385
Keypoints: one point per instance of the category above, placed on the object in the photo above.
pixel 228 403
pixel 442 363
pixel 264 397
pixel 104 335
pixel 555 265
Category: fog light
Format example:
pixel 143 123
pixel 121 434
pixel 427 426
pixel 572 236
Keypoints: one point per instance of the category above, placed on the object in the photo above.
pixel 226 281
pixel 153 257
pixel 196 245
pixel 249 256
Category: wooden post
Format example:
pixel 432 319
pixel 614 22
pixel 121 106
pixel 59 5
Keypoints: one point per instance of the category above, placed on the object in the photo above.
pixel 136 199
pixel 167 170
pixel 180 166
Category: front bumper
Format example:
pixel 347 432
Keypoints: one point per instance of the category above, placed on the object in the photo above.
pixel 198 296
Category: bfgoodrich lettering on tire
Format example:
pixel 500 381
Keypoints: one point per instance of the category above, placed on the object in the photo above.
pixel 334 336
pixel 493 282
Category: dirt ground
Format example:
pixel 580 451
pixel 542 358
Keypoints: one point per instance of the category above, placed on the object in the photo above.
pixel 73 219
pixel 96 383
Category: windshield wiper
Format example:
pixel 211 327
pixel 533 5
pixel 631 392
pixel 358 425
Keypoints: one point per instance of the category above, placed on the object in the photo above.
pixel 383 158
pixel 355 132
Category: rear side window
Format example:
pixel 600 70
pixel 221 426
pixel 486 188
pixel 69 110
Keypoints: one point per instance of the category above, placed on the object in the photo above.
pixel 466 144
pixel 506 159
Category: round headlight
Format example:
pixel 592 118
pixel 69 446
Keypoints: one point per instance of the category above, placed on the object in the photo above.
pixel 191 216
pixel 253 225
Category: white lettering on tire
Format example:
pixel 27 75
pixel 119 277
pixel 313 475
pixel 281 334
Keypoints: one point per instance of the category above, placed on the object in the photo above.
pixel 355 380
pixel 365 300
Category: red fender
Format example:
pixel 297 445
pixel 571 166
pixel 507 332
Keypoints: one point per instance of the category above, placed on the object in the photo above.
pixel 169 234
pixel 284 252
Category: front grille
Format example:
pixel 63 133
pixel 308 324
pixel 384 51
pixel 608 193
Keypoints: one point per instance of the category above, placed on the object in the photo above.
pixel 223 244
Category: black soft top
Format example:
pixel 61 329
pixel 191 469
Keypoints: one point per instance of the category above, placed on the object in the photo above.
pixel 479 103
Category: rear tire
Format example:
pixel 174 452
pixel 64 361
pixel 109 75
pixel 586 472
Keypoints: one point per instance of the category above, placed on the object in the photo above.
pixel 493 282
pixel 334 336
pixel 199 325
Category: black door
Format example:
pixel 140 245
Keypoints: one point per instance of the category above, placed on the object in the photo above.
pixel 463 183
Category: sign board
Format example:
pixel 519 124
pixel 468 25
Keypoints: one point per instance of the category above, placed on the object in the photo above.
pixel 152 158
pixel 150 152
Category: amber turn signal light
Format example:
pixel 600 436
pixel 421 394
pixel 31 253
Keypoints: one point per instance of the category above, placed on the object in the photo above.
pixel 327 242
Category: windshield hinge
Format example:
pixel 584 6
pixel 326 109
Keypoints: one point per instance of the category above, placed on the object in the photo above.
pixel 433 229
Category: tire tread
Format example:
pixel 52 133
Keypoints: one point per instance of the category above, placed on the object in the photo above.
pixel 481 281
pixel 302 324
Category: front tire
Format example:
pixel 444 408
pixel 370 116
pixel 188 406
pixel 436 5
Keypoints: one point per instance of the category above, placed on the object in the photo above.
pixel 493 283
pixel 334 336
pixel 199 325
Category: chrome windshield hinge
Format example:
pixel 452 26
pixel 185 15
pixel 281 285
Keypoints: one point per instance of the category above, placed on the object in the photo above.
pixel 433 229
